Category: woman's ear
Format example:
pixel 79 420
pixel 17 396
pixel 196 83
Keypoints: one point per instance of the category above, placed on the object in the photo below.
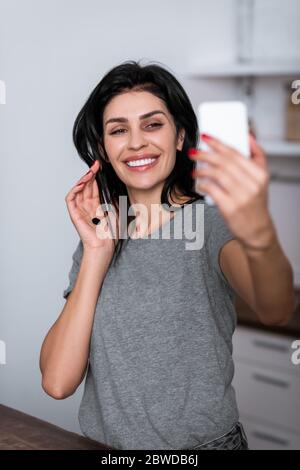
pixel 180 139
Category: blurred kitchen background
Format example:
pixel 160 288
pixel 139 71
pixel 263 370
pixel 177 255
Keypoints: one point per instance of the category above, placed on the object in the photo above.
pixel 52 54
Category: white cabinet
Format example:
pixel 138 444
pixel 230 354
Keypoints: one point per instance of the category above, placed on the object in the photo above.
pixel 267 386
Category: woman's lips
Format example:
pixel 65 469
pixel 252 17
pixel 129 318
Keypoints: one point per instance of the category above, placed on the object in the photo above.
pixel 143 167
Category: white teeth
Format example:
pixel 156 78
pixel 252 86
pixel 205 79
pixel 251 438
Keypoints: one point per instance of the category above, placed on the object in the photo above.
pixel 145 161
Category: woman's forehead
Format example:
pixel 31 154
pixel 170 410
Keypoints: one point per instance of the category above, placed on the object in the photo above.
pixel 133 104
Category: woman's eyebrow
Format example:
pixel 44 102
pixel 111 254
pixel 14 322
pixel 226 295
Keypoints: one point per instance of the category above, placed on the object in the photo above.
pixel 143 116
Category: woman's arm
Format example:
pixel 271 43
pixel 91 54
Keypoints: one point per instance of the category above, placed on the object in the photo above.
pixel 65 350
pixel 254 264
pixel 264 279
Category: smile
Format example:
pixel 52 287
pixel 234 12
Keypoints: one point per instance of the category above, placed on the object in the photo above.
pixel 141 165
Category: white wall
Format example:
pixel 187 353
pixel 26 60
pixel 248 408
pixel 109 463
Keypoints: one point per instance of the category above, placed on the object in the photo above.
pixel 52 54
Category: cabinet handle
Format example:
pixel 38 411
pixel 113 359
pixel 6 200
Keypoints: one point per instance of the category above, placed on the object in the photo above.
pixel 273 346
pixel 271 380
pixel 268 437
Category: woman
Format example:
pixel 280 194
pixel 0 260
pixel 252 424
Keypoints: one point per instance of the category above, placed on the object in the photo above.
pixel 151 322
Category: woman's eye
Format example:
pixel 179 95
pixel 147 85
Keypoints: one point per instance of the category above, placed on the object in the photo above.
pixel 114 132
pixel 155 124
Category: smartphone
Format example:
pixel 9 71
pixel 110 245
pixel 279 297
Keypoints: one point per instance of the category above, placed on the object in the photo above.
pixel 228 122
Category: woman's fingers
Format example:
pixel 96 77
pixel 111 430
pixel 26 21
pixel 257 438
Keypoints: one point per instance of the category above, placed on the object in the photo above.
pixel 90 190
pixel 96 166
pixel 85 177
pixel 72 195
pixel 93 170
pixel 95 193
pixel 237 164
pixel 88 180
pixel 86 187
pixel 258 153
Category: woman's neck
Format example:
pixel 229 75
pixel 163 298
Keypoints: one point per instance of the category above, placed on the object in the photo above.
pixel 155 215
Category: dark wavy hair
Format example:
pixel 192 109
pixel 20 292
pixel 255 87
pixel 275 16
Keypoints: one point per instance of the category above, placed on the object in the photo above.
pixel 88 130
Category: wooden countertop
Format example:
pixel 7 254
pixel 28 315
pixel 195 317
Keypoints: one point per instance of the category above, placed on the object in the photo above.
pixel 20 431
pixel 247 317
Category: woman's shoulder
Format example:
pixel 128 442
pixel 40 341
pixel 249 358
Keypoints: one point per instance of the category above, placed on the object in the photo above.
pixel 213 219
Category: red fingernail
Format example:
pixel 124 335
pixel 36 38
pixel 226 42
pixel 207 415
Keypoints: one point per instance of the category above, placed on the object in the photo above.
pixel 192 152
pixel 206 136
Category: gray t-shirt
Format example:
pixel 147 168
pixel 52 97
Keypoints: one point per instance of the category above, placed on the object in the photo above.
pixel 160 365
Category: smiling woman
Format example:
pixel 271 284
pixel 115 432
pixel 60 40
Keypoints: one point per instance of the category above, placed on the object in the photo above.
pixel 150 324
pixel 135 115
pixel 143 150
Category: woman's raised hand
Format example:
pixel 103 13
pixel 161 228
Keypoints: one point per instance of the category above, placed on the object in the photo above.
pixel 83 205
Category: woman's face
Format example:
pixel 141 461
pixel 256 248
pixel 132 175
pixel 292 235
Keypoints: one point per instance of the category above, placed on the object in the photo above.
pixel 130 134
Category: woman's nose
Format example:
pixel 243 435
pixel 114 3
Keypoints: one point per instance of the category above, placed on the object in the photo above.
pixel 136 139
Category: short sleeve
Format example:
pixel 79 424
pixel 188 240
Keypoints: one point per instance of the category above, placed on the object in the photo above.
pixel 76 257
pixel 219 234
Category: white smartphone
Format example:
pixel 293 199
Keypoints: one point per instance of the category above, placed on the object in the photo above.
pixel 228 122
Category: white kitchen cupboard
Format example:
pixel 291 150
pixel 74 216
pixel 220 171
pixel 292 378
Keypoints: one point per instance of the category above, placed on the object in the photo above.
pixel 267 386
